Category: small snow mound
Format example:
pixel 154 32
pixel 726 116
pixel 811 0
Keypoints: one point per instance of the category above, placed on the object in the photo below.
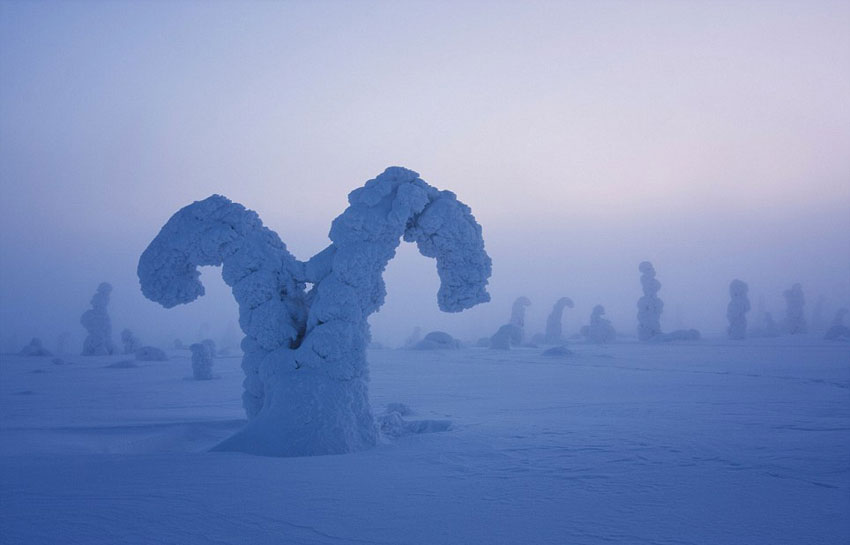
pixel 126 364
pixel 437 340
pixel 150 353
pixel 558 352
pixel 392 425
pixel 58 361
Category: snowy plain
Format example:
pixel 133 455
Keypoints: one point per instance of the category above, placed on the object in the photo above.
pixel 710 442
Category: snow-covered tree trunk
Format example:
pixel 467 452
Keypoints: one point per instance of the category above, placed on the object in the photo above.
pixel 736 311
pixel 305 351
pixel 96 320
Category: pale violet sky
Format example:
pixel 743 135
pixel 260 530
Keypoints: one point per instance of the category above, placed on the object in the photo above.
pixel 712 138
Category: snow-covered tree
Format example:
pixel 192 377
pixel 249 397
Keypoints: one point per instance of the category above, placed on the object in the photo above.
pixel 203 354
pixel 130 341
pixel 305 351
pixel 518 318
pixel 554 331
pixel 795 320
pixel 838 330
pixel 98 342
pixel 736 311
pixel 600 330
pixel 414 337
pixel 649 306
pixel 35 348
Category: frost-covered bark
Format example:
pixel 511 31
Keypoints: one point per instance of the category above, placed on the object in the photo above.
pixel 203 354
pixel 600 330
pixel 130 341
pixel 736 311
pixel 649 306
pixel 795 321
pixel 554 331
pixel 305 351
pixel 98 342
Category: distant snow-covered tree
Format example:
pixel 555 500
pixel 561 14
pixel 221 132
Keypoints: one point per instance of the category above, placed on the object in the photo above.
pixel 518 318
pixel 736 311
pixel 130 341
pixel 838 331
pixel 600 330
pixel 96 320
pixel 649 306
pixel 554 331
pixel 35 348
pixel 305 351
pixel 203 354
pixel 795 320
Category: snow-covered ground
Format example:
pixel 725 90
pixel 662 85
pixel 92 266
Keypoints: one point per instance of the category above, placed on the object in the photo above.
pixel 712 442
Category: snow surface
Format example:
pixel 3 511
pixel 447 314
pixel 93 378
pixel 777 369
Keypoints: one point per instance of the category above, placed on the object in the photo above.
pixel 708 442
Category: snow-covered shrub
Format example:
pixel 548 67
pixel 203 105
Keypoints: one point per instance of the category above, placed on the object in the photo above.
pixel 838 331
pixel 35 348
pixel 130 341
pixel 736 311
pixel 150 353
pixel 98 342
pixel 305 351
pixel 557 352
pixel 600 330
pixel 202 360
pixel 554 331
pixel 649 306
pixel 795 321
pixel 438 340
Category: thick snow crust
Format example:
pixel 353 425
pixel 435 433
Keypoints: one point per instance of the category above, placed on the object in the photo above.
pixel 706 443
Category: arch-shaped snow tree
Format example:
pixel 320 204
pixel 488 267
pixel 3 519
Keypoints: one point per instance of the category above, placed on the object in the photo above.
pixel 306 375
pixel 554 331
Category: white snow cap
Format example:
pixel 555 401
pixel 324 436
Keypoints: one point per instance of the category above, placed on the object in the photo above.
pixel 305 352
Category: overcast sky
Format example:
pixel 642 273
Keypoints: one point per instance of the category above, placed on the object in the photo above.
pixel 712 138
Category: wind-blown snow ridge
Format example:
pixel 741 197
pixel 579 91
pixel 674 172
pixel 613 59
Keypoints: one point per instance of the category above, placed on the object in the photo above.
pixel 305 352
